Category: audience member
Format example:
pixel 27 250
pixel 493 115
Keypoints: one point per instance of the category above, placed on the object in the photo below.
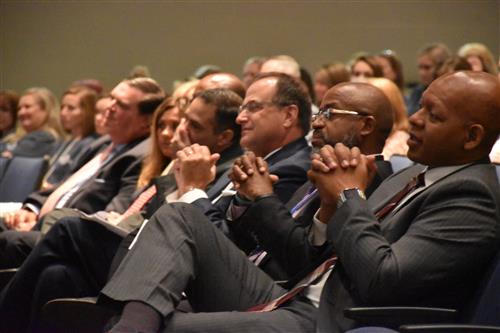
pixel 364 67
pixel 479 57
pixel 39 129
pixel 100 115
pixel 223 81
pixel 392 67
pixel 328 76
pixel 77 117
pixel 251 68
pixel 281 64
pixel 401 257
pixel 92 84
pixel 453 64
pixel 429 59
pixel 396 142
pixel 8 113
pixel 106 182
pixel 305 77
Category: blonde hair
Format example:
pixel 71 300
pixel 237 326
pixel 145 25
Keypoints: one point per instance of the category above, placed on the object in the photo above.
pixel 392 92
pixel 483 53
pixel 47 102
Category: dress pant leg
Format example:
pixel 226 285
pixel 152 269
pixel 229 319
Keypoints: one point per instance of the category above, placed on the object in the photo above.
pixel 180 250
pixel 73 246
pixel 15 246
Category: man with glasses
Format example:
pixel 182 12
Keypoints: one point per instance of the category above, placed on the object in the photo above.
pixel 431 249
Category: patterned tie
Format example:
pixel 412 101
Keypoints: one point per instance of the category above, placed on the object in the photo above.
pixel 310 279
pixel 75 180
pixel 140 202
pixel 414 183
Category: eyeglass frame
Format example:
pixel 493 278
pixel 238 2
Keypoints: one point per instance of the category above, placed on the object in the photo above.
pixel 258 106
pixel 327 113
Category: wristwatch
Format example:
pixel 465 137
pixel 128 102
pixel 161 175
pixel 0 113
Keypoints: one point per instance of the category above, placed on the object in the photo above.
pixel 350 193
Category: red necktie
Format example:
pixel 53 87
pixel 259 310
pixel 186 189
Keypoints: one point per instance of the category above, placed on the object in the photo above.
pixel 414 183
pixel 305 282
pixel 140 202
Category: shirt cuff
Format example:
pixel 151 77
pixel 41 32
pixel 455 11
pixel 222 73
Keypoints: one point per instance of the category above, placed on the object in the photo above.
pixel 32 207
pixel 188 197
pixel 317 232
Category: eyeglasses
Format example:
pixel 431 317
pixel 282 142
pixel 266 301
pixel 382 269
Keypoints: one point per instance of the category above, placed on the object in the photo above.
pixel 327 113
pixel 254 106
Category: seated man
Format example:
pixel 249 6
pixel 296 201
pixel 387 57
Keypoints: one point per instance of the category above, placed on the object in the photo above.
pixel 410 252
pixel 290 160
pixel 106 182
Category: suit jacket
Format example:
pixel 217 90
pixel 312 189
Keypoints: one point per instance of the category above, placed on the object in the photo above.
pixel 290 164
pixel 111 189
pixel 432 251
pixel 277 263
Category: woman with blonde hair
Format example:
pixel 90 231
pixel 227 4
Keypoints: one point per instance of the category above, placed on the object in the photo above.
pixel 479 57
pixel 38 128
pixel 396 142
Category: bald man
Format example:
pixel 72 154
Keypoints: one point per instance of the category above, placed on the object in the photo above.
pixel 222 80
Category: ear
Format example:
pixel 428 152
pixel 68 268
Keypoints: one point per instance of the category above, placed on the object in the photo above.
pixel 368 125
pixel 291 115
pixel 225 138
pixel 146 121
pixel 474 135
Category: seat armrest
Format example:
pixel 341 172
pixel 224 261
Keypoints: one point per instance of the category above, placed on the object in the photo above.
pixel 393 317
pixel 445 328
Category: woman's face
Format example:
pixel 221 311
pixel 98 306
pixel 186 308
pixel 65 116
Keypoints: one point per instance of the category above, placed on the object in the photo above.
pixel 165 129
pixel 387 69
pixel 6 118
pixel 475 63
pixel 361 71
pixel 31 116
pixel 71 113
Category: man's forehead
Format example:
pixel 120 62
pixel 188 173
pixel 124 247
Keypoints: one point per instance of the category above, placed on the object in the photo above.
pixel 126 93
pixel 261 89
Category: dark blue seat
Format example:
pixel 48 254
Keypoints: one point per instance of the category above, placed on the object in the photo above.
pixel 23 176
pixel 4 162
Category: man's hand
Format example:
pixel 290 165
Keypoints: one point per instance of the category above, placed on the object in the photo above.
pixel 251 177
pixel 21 218
pixel 336 169
pixel 180 139
pixel 194 168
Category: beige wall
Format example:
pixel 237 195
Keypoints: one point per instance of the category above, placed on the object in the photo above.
pixel 52 43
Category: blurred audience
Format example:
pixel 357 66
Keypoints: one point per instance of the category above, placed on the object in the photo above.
pixel 39 130
pixel 391 67
pixel 251 68
pixel 364 67
pixel 429 59
pixel 479 57
pixel 8 113
pixel 328 76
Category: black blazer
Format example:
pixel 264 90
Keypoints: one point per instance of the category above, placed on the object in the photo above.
pixel 111 189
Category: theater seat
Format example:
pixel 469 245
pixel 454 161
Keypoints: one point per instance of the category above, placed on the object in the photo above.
pixel 75 315
pixel 22 176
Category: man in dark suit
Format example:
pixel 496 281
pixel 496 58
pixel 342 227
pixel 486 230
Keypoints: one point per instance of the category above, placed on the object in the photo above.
pixel 290 161
pixel 106 182
pixel 432 248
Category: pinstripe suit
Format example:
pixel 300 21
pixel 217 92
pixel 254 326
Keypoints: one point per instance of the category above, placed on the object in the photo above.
pixel 431 251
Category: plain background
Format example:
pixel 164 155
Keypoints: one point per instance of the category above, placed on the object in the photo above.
pixel 52 43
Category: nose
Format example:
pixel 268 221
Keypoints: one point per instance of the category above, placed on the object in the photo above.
pixel 417 119
pixel 318 122
pixel 242 117
pixel 168 132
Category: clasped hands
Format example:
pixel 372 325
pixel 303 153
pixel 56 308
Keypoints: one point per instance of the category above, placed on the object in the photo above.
pixel 336 169
pixel 194 168
pixel 250 176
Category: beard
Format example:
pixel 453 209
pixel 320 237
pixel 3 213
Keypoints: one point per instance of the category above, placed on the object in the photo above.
pixel 350 140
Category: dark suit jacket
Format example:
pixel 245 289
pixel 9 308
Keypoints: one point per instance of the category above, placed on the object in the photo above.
pixel 432 251
pixel 290 164
pixel 111 188
pixel 283 262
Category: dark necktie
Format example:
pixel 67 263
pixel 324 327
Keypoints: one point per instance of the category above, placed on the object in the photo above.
pixel 414 183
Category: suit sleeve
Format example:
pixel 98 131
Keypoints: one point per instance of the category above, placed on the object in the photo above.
pixel 127 186
pixel 451 234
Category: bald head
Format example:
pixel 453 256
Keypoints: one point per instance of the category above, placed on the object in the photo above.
pixel 458 121
pixel 372 129
pixel 222 81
